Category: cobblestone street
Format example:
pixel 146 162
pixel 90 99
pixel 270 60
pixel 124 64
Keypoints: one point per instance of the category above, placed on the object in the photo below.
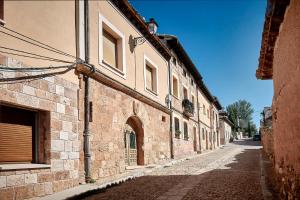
pixel 232 172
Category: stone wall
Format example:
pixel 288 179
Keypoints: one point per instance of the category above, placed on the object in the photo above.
pixel 111 110
pixel 267 141
pixel 58 98
pixel 286 107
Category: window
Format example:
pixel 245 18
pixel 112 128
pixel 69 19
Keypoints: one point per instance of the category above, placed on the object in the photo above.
pixel 174 61
pixel 184 73
pixel 192 82
pixel 203 134
pixel 1 11
pixel 20 137
pixel 177 125
pixel 193 100
pixel 204 113
pixel 110 53
pixel 175 87
pixel 186 133
pixel 207 113
pixel 185 93
pixel 150 76
pixel 111 47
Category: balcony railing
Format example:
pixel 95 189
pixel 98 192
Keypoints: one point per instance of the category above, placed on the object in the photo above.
pixel 188 108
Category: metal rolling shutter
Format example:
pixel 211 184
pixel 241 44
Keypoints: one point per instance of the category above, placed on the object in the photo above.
pixel 15 143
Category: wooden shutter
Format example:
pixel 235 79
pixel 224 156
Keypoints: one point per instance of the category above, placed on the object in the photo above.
pixel 15 143
pixel 109 49
pixel 149 78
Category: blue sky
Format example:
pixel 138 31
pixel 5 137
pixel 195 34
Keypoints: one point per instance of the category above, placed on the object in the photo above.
pixel 223 39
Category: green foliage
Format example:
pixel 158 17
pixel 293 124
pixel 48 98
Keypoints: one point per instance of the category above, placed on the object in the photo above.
pixel 240 113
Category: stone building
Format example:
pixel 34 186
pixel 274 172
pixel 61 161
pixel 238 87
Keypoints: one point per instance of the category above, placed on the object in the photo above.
pixel 225 128
pixel 39 147
pixel 279 60
pixel 109 107
pixel 129 118
pixel 193 107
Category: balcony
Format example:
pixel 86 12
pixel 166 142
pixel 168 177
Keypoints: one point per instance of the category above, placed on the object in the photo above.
pixel 188 108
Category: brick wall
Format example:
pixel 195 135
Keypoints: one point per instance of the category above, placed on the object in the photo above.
pixel 58 97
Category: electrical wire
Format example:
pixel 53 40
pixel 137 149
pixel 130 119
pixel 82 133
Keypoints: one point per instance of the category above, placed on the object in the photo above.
pixel 30 53
pixel 39 58
pixel 53 49
pixel 35 44
pixel 32 68
pixel 39 76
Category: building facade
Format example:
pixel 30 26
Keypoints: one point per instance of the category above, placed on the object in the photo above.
pixel 225 128
pixel 195 112
pixel 96 103
pixel 279 60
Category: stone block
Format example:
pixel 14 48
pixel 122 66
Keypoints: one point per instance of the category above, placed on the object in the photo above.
pixel 64 155
pixel 39 189
pixel 45 177
pixel 64 135
pixel 57 165
pixel 67 126
pixel 48 188
pixel 60 108
pixel 60 90
pixel 24 192
pixel 30 178
pixel 2 181
pixel 62 175
pixel 7 193
pixel 69 164
pixel 15 180
pixel 74 155
pixel 57 145
pixel 76 145
pixel 28 90
pixel 68 146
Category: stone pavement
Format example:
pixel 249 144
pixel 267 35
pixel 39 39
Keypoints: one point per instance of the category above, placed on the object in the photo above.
pixel 232 172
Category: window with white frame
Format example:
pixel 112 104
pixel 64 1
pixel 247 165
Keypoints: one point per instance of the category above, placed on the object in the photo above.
pixel 185 93
pixel 111 47
pixel 175 87
pixel 150 76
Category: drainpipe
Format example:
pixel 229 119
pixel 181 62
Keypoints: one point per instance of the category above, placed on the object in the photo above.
pixel 170 107
pixel 199 128
pixel 86 132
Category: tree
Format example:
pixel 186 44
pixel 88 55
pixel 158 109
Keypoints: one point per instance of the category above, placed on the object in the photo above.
pixel 240 113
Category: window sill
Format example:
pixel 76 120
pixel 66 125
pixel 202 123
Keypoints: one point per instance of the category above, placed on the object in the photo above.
pixel 4 167
pixel 175 97
pixel 151 92
pixel 113 69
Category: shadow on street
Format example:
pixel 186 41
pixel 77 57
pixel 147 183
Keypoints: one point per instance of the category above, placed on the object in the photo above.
pixel 239 179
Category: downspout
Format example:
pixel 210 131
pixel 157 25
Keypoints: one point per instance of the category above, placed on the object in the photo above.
pixel 86 132
pixel 171 109
pixel 199 128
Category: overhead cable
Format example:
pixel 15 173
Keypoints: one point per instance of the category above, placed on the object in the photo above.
pixel 64 53
pixel 30 53
pixel 53 50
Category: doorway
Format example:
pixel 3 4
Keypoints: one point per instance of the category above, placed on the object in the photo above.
pixel 134 142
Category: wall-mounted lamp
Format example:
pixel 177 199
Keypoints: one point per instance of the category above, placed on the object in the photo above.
pixel 134 41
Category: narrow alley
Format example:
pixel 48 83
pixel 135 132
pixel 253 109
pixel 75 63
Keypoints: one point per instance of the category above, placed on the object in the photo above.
pixel 232 172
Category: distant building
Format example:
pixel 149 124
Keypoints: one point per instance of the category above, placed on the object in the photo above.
pixel 226 127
